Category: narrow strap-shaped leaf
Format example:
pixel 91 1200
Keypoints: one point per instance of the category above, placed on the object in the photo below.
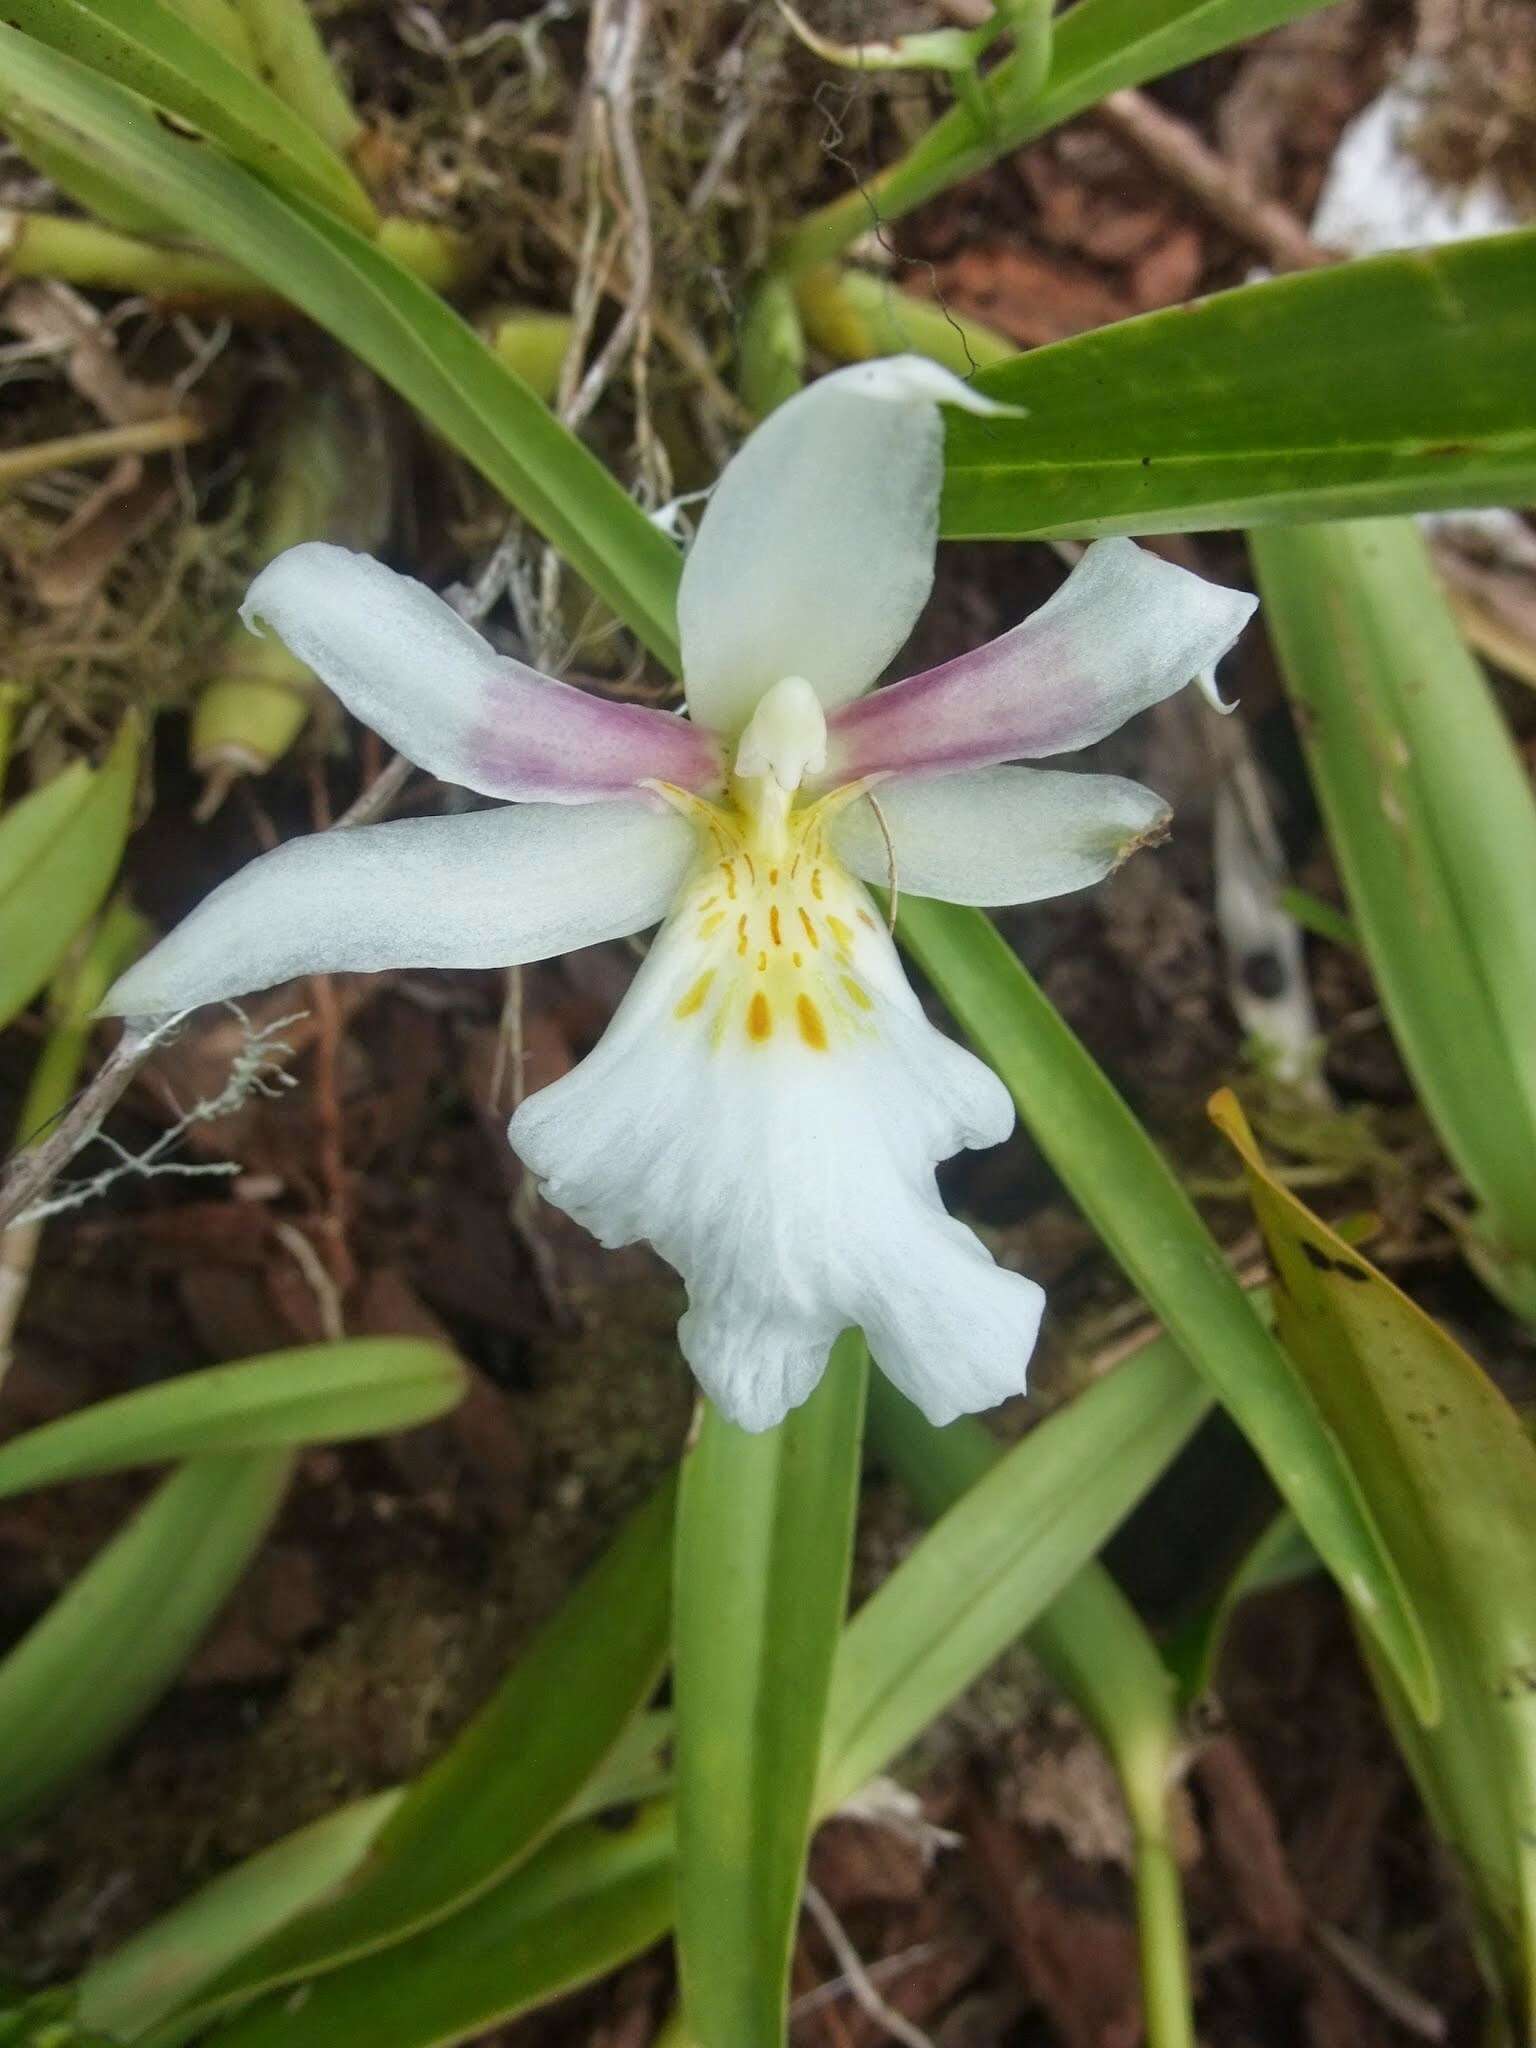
pixel 1279 1554
pixel 1432 821
pixel 1125 1187
pixel 1113 441
pixel 286 41
pixel 1097 47
pixel 395 323
pixel 28 824
pixel 51 892
pixel 112 1643
pixel 1451 1474
pixel 765 1528
pixel 145 45
pixel 589 1900
pixel 316 1393
pixel 1095 1647
pixel 167 1963
pixel 1023 1557
pixel 996 1560
pixel 505 1784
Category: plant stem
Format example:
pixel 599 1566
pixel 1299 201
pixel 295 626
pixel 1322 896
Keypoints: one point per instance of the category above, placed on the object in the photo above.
pixel 1166 1992
pixel 293 59
pixel 120 934
pixel 1096 1649
pixel 12 697
pixel 84 253
pixel 855 315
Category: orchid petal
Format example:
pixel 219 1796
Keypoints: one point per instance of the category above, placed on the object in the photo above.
pixel 487 889
pixel 815 554
pixel 405 663
pixel 1124 631
pixel 996 836
pixel 787 1173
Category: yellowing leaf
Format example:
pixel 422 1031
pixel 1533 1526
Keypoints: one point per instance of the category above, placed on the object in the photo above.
pixel 1450 1476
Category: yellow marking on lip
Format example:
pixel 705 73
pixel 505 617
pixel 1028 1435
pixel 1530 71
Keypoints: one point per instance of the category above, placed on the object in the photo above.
pixel 694 1000
pixel 773 878
pixel 865 918
pixel 843 933
pixel 751 866
pixel 711 924
pixel 709 903
pixel 759 1018
pixel 773 924
pixel 798 958
pixel 812 1030
pixel 859 994
pixel 810 929
pixel 728 869
pixel 762 963
pixel 741 935
pixel 816 883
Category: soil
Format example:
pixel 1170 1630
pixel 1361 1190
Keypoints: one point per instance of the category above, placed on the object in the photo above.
pixel 403 1575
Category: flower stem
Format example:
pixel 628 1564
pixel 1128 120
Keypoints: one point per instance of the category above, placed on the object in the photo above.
pixel 1095 1647
pixel 1166 1992
pixel 120 934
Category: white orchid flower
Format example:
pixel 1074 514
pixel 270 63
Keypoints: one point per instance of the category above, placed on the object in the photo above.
pixel 769 1102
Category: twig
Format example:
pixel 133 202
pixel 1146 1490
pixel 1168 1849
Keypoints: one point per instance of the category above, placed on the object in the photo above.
pixel 31 1173
pixel 860 1984
pixel 1410 2011
pixel 101 444
pixel 881 1972
pixel 378 797
pixel 1173 148
pixel 29 1176
pixel 615 45
pixel 321 1285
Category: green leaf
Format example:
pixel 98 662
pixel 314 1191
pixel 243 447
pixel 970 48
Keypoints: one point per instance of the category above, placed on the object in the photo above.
pixel 1152 1396
pixel 289 50
pixel 166 1964
pixel 217 22
pixel 1234 411
pixel 384 315
pixel 27 826
pixel 1280 1555
pixel 146 46
pixel 161 1970
pixel 588 1901
pixel 508 1781
pixel 1095 1648
pixel 317 1393
pixel 59 851
pixel 1432 821
pixel 1097 47
pixel 1451 1475
pixel 765 1528
pixel 1125 1188
pixel 112 1643
pixel 991 1565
